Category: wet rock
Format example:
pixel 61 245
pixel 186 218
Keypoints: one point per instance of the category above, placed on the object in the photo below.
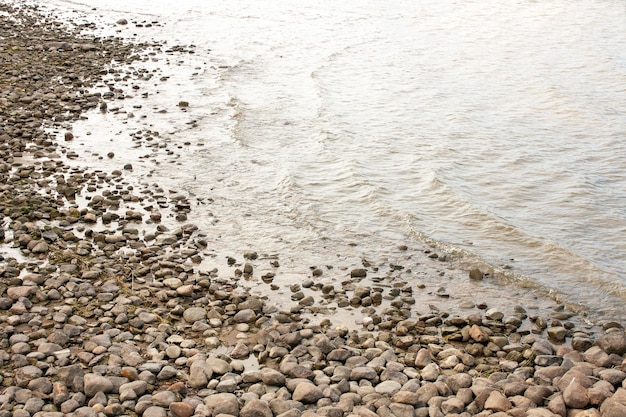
pixel 358 273
pixel 476 274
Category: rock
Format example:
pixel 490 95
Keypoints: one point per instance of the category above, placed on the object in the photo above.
pixel 163 398
pixel 223 403
pixel 388 388
pixel 181 409
pixel 408 397
pixel 597 356
pixel 256 408
pixel 193 314
pixel 430 372
pixel 538 393
pixel 575 395
pixel 422 358
pixel 457 381
pixel 494 314
pixel 614 406
pixel 155 411
pixel 72 377
pixel 199 374
pixel 240 351
pixel 97 383
pixel 478 334
pixel 452 406
pixel 557 333
pixel 557 405
pixel 358 273
pixel 245 316
pixel 548 360
pixel 613 376
pixel 476 274
pixel 363 372
pixel 272 377
pixel 15 293
pixel 613 343
pixel 219 366
pixel 307 393
pixel 497 402
pixel 581 344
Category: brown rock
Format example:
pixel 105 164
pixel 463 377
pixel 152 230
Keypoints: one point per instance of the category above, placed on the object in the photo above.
pixel 597 356
pixel 307 393
pixel 557 405
pixel 181 409
pixel 272 377
pixel 575 395
pixel 538 393
pixel 256 408
pixel 408 397
pixel 613 343
pixel 478 335
pixel 612 408
pixel 476 274
pixel 358 273
pixel 497 402
pixel 15 293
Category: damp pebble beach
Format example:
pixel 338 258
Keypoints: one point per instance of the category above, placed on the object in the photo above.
pixel 104 311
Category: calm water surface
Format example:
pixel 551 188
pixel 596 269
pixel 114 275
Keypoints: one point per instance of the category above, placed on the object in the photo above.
pixel 494 130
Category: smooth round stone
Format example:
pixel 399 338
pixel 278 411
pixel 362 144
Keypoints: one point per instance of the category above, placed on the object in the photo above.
pixel 242 327
pixel 20 348
pixel 389 387
pixel 193 314
pixel 173 351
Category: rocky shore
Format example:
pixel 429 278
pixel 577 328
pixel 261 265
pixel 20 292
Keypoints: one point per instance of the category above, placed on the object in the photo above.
pixel 105 312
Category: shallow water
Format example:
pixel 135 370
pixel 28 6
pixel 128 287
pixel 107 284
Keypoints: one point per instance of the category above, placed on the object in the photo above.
pixel 494 131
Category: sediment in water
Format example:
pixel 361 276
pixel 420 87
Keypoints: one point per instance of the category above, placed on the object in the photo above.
pixel 104 311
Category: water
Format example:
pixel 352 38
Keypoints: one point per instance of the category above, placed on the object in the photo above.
pixel 492 130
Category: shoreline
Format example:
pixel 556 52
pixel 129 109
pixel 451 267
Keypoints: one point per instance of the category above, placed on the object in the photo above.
pixel 109 312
